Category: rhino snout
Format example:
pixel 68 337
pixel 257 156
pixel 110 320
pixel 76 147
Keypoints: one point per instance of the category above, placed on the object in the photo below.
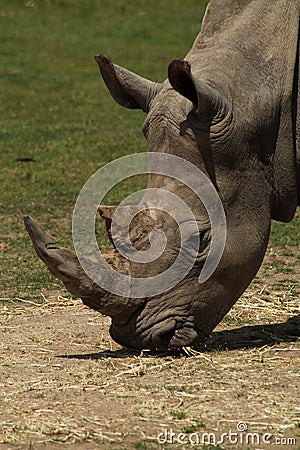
pixel 169 334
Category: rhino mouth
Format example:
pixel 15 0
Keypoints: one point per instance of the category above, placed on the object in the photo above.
pixel 156 337
pixel 165 334
pixel 172 335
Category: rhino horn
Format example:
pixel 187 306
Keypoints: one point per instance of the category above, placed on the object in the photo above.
pixel 107 213
pixel 207 101
pixel 64 264
pixel 45 246
pixel 127 88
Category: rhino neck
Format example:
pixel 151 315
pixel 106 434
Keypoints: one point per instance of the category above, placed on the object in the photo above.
pixel 259 66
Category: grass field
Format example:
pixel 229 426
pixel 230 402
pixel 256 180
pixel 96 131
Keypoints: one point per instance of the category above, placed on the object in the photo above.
pixel 59 125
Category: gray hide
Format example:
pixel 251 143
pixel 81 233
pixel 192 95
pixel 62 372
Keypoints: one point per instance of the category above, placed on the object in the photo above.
pixel 232 109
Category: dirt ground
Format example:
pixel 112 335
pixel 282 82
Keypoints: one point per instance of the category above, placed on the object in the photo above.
pixel 66 384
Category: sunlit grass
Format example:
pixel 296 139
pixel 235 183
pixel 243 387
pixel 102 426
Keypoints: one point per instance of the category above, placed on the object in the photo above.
pixel 58 122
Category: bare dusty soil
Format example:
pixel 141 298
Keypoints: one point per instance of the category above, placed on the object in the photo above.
pixel 65 384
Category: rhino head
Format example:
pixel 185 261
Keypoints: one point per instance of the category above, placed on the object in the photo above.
pixel 189 118
pixel 204 116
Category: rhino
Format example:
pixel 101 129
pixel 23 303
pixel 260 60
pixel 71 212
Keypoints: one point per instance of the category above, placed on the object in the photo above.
pixel 230 108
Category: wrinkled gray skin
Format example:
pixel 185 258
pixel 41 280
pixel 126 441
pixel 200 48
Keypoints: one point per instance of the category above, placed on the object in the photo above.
pixel 231 109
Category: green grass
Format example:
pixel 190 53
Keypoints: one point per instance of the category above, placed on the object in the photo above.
pixel 58 122
pixel 286 235
pixel 56 112
pixel 178 414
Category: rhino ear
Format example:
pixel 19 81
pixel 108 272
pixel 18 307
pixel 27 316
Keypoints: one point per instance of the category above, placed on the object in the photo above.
pixel 207 101
pixel 127 88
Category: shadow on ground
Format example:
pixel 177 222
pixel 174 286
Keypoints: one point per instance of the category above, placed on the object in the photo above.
pixel 254 336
